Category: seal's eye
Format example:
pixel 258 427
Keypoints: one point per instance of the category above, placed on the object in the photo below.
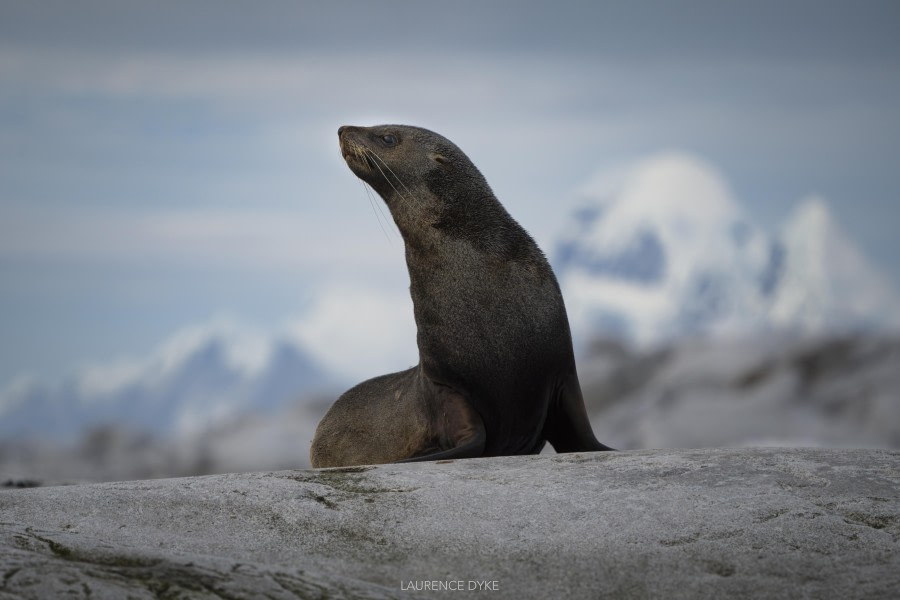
pixel 389 140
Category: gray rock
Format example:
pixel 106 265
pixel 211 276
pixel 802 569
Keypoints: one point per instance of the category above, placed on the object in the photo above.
pixel 743 523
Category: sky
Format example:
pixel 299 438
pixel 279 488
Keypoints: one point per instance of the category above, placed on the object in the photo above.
pixel 170 163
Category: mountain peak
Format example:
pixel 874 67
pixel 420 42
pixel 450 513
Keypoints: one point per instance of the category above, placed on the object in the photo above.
pixel 665 249
pixel 676 183
pixel 811 227
pixel 675 195
pixel 201 376
pixel 811 214
pixel 827 283
pixel 243 348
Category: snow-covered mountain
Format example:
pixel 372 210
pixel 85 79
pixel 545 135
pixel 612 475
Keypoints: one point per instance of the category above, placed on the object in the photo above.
pixel 198 379
pixel 664 249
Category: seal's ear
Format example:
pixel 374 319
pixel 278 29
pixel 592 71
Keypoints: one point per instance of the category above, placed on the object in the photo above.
pixel 439 158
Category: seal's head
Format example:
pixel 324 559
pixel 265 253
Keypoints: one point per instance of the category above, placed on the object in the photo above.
pixel 424 178
pixel 375 153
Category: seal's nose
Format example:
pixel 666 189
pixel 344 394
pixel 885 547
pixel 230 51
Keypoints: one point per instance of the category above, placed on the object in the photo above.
pixel 341 129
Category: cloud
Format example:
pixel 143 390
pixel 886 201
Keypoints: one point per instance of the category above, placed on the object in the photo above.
pixel 335 81
pixel 359 331
pixel 242 239
pixel 387 82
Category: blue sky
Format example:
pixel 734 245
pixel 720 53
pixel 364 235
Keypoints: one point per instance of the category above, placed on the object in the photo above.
pixel 164 164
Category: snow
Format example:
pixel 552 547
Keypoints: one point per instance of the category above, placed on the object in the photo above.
pixel 827 281
pixel 664 249
pixel 359 332
pixel 200 377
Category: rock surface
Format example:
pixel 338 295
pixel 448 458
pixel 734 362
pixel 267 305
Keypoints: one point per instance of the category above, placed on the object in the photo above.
pixel 644 524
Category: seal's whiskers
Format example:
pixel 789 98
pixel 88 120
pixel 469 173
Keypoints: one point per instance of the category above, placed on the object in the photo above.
pixel 390 170
pixel 378 216
pixel 386 178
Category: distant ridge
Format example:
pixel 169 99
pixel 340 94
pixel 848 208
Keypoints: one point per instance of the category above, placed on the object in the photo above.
pixel 200 377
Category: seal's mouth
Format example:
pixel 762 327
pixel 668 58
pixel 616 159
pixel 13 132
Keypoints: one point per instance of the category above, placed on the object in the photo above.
pixel 356 154
pixel 367 158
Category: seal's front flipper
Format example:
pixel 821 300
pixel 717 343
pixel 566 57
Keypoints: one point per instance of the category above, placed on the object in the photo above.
pixel 567 427
pixel 456 430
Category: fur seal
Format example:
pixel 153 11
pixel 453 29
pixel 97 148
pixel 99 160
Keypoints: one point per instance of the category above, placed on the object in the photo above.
pixel 496 373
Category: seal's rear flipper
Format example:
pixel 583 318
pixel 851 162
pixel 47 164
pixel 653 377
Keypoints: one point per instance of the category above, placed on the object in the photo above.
pixel 567 427
pixel 457 430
